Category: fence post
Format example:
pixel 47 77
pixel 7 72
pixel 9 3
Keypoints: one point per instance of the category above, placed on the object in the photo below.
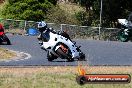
pixel 100 19
pixel 25 25
pixel 62 26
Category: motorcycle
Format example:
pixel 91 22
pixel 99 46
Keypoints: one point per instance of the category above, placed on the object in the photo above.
pixel 125 33
pixel 57 46
pixel 4 39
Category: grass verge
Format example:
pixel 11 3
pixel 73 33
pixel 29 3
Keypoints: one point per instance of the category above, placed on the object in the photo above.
pixel 6 54
pixel 15 31
pixel 56 77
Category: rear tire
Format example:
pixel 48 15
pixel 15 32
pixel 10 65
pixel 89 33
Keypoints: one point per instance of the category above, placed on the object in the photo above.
pixel 82 57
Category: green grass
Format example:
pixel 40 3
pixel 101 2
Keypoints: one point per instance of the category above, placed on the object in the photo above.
pixel 47 79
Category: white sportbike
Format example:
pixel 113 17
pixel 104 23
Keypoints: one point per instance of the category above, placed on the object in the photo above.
pixel 58 46
pixel 125 33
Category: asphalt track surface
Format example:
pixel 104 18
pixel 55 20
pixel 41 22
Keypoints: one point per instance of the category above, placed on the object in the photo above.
pixel 97 52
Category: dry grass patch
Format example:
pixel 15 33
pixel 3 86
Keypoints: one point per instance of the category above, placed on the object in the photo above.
pixel 69 69
pixel 56 77
pixel 6 54
pixel 15 31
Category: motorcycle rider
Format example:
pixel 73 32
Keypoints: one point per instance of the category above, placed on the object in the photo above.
pixel 44 32
pixel 129 25
pixel 1 29
pixel 42 26
pixel 3 36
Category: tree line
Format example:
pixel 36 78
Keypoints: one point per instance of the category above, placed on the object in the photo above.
pixel 111 11
pixel 38 10
pixel 35 10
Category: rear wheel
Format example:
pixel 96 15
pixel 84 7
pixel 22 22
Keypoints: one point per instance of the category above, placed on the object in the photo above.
pixel 82 57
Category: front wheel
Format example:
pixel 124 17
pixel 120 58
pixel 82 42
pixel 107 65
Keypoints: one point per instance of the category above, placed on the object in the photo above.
pixel 6 39
pixel 51 57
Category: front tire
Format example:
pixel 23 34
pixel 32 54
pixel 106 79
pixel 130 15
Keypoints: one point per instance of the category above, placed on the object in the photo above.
pixel 51 57
pixel 6 39
pixel 122 37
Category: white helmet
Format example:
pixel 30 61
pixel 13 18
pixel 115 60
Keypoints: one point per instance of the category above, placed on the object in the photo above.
pixel 42 24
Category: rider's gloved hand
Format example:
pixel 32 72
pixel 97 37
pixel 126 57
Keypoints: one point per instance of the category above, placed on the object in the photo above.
pixel 52 30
